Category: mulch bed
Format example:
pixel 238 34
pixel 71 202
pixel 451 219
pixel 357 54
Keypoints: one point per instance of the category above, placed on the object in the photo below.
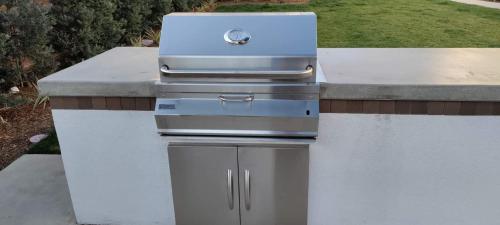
pixel 22 122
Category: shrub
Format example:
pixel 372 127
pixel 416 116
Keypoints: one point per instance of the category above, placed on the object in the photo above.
pixel 84 29
pixel 88 27
pixel 25 53
pixel 186 5
pixel 33 35
pixel 141 15
pixel 6 78
pixel 206 6
pixel 159 8
pixel 153 35
pixel 133 13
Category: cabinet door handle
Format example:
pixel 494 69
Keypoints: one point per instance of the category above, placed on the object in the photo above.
pixel 230 198
pixel 247 189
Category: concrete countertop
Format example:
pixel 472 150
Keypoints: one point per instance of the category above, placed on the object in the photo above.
pixel 411 74
pixel 396 74
pixel 121 71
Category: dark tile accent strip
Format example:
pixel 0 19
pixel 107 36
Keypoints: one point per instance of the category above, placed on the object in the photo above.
pixel 142 104
pixel 152 103
pixel 435 108
pixel 402 107
pixel 113 103
pixel 452 108
pixel 409 107
pixel 354 106
pixel 128 103
pixel 484 108
pixel 387 107
pixel 84 102
pixel 97 102
pixel 326 106
pixel 65 103
pixel 338 106
pixel 467 108
pixel 371 106
pixel 496 109
pixel 418 107
pixel 104 103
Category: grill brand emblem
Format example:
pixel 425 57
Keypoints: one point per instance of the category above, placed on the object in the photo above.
pixel 237 37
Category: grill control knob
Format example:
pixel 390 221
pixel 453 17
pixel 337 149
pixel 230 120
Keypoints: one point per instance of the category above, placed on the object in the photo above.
pixel 237 36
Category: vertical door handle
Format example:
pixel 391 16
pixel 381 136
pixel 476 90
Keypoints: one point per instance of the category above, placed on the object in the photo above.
pixel 230 196
pixel 247 189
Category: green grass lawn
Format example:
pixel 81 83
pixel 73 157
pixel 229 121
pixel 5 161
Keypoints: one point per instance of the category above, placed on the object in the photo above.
pixel 395 23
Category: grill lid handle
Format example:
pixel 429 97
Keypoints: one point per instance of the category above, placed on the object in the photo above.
pixel 236 98
pixel 269 74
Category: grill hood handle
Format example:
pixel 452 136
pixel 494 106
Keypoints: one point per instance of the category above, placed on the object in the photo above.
pixel 270 74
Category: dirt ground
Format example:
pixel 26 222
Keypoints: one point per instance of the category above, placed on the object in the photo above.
pixel 20 123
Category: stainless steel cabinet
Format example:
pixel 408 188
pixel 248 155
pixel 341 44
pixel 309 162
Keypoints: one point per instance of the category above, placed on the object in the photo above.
pixel 273 185
pixel 204 193
pixel 239 185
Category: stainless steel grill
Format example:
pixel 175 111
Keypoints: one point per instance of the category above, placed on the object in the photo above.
pixel 238 74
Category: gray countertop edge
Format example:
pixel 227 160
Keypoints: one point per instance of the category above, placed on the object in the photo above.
pixel 95 89
pixel 328 91
pixel 351 74
pixel 410 92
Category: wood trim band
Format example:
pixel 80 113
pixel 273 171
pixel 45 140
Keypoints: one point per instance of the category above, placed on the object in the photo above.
pixel 104 103
pixel 409 107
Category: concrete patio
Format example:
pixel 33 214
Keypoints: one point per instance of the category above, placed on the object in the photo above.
pixel 33 191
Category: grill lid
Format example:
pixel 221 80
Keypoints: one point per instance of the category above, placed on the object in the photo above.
pixel 238 46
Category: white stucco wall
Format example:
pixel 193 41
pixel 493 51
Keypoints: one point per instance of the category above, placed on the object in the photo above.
pixel 116 167
pixel 364 169
pixel 405 169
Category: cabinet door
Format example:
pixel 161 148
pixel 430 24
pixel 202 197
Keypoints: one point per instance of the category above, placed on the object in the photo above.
pixel 273 185
pixel 204 185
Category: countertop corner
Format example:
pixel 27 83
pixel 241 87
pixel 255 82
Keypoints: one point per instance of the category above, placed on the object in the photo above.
pixel 121 71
